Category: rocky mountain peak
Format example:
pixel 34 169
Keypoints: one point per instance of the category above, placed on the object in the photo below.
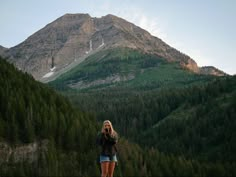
pixel 70 39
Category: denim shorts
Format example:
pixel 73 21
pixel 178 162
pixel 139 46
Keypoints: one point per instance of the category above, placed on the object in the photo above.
pixel 104 158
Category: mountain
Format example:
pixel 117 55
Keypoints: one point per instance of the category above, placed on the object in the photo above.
pixel 72 38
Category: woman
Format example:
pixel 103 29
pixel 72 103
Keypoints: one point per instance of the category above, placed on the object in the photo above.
pixel 107 139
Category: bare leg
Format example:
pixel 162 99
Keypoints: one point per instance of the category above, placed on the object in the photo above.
pixel 111 169
pixel 104 167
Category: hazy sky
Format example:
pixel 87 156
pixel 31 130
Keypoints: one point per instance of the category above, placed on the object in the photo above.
pixel 203 29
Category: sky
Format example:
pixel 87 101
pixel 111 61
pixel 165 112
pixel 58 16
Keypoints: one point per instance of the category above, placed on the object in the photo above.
pixel 205 30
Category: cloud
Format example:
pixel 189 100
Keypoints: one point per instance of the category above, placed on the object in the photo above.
pixel 142 19
pixel 133 14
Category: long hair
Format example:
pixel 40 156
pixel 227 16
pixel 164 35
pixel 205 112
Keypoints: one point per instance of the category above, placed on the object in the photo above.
pixel 113 132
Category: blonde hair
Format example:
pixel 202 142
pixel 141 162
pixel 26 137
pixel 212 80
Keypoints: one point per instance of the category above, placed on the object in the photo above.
pixel 113 132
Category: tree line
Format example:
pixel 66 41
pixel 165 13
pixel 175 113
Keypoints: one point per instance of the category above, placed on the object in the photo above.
pixel 31 111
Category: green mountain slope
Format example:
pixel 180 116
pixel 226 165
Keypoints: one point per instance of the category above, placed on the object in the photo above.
pixel 123 67
pixel 201 125
pixel 31 112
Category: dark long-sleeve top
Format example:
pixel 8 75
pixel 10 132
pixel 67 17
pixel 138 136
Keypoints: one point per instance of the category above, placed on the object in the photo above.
pixel 108 144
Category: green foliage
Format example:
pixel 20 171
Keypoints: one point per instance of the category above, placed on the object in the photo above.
pixel 31 111
pixel 173 131
pixel 195 122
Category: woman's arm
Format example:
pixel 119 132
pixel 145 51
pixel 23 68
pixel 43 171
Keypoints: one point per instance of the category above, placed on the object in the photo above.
pixel 112 139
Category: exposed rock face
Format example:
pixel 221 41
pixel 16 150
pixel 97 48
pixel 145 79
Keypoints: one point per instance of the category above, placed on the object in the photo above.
pixel 27 152
pixel 191 65
pixel 2 50
pixel 210 70
pixel 57 44
pixel 72 37
pixel 108 80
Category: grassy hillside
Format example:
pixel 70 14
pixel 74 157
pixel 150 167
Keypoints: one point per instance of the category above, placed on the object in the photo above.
pixel 125 68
